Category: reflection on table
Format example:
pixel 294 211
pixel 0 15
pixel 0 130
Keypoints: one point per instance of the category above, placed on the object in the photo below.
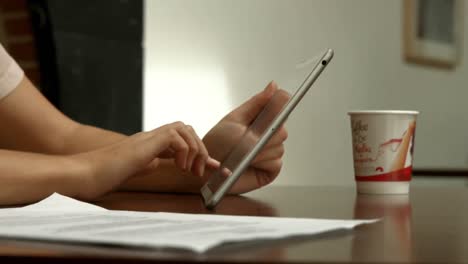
pixel 391 241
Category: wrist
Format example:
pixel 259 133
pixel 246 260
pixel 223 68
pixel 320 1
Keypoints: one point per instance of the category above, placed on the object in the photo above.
pixel 78 182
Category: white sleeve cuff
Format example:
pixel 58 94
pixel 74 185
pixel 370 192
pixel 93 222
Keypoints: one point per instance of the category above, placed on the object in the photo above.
pixel 10 77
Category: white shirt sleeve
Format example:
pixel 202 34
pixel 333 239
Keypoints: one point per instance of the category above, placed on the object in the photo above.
pixel 10 73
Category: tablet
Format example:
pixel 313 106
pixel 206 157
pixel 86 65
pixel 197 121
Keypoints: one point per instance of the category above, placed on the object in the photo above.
pixel 257 135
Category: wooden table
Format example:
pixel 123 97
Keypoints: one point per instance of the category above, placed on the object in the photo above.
pixel 428 226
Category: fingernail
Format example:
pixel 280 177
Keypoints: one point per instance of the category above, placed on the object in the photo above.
pixel 189 165
pixel 212 162
pixel 201 171
pixel 227 172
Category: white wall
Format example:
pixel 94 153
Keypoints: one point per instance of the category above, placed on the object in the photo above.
pixel 205 57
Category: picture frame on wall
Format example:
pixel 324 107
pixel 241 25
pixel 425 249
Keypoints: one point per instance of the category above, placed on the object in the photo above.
pixel 433 32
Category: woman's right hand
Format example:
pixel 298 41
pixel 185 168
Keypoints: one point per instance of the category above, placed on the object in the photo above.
pixel 108 167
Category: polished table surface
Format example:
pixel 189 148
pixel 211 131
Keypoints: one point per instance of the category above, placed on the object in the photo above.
pixel 428 226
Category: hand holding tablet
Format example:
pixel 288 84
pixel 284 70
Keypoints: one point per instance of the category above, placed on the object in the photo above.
pixel 257 135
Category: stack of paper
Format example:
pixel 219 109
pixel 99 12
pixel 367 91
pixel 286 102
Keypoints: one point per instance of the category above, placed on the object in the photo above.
pixel 60 218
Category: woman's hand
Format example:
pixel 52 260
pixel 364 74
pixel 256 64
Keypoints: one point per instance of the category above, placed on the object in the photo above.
pixel 108 167
pixel 227 133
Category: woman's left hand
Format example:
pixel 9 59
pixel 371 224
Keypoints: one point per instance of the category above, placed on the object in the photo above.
pixel 227 133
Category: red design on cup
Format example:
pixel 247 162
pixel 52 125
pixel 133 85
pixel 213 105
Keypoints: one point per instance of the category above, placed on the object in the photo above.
pixel 398 175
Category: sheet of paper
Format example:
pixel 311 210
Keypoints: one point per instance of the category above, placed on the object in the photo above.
pixel 58 202
pixel 196 232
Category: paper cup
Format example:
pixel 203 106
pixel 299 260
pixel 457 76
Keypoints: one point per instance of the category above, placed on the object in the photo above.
pixel 383 144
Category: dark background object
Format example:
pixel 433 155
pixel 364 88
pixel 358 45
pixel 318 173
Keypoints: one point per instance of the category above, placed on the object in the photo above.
pixel 91 59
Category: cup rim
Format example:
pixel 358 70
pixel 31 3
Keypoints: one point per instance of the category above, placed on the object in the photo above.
pixel 383 112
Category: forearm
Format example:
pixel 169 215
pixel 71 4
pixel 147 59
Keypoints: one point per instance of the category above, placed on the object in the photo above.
pixel 29 177
pixel 166 177
pixel 29 123
pixel 85 138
